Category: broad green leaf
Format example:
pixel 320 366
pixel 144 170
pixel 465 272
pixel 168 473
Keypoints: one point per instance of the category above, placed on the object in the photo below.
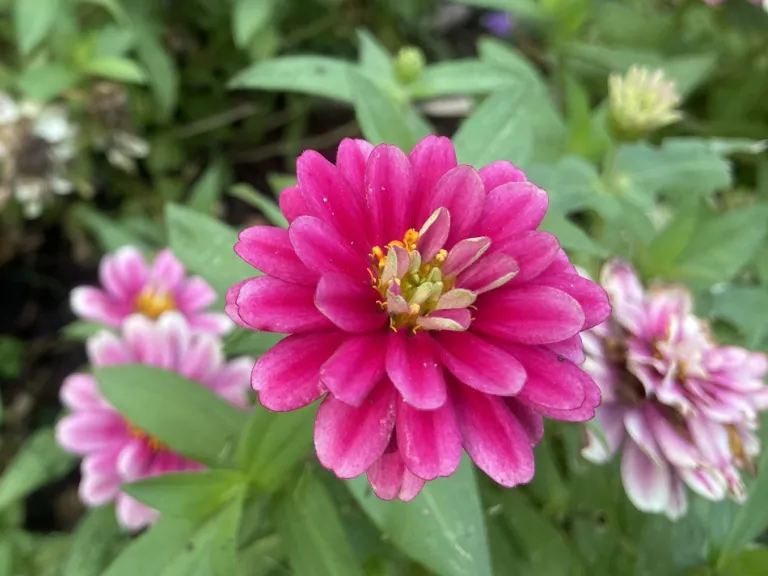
pixel 39 461
pixel 47 81
pixel 161 69
pixel 80 330
pixel 381 118
pixel 610 59
pixel 96 539
pixel 206 247
pixel 667 548
pixel 746 307
pixel 442 528
pixel 313 534
pixel 572 237
pixel 315 75
pixel 250 342
pixel 191 495
pixel 268 207
pixel 497 130
pixel 727 146
pixel 113 41
pixel 182 414
pixel 224 556
pixel 248 17
pixel 33 20
pixel 751 562
pixel 110 234
pixel 208 188
pixel 273 443
pixel 573 184
pixel 263 556
pixel 459 77
pixel 117 68
pixel 374 57
pixel 6 558
pixel 667 247
pixel 689 72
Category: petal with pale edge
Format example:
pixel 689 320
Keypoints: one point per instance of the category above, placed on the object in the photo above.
pixel 488 273
pixel 390 479
pixel 648 484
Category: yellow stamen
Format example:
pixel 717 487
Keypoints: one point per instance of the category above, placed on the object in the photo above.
pixel 154 444
pixel 152 303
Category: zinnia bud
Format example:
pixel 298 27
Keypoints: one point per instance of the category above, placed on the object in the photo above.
pixel 409 64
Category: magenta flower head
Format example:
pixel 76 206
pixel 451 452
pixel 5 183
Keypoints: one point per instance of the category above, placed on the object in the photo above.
pixel 114 450
pixel 129 285
pixel 684 409
pixel 421 300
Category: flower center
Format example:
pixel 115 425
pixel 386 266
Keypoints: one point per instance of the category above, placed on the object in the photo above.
pixel 154 444
pixel 152 303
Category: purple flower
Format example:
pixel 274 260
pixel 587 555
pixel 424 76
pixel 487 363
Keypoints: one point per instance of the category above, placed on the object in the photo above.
pixel 498 23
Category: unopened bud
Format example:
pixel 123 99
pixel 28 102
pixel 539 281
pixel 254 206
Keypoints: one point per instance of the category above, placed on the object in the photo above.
pixel 409 64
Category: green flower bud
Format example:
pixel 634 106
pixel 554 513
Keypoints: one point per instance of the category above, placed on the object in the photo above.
pixel 409 64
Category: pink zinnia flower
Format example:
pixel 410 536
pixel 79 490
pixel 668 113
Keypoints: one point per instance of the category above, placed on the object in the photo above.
pixel 684 408
pixel 130 285
pixel 114 450
pixel 421 300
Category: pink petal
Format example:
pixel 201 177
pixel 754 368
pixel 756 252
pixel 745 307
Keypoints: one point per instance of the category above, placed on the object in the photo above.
pixel 195 294
pixel 528 314
pixel 572 348
pixel 292 204
pixel 431 159
pixel 465 253
pixel 210 323
pixel 124 273
pixel 560 265
pixel 584 412
pixel 84 432
pixel 273 305
pixel 638 429
pixel 132 514
pixel 230 306
pixel 533 252
pixel 676 449
pixel 456 320
pixel 348 439
pixel 626 293
pixel 134 460
pixel 288 376
pixel 428 440
pixel 709 484
pixel 80 392
pixel 176 334
pixel 102 462
pixel 648 485
pixel 356 367
pixel 270 250
pixel 551 382
pixel 388 193
pixel 143 340
pixel 414 368
pixel 461 192
pixel 166 272
pixel 499 173
pixel 433 234
pixel 480 364
pixel 590 295
pixel 233 381
pixel 351 158
pixel 330 197
pixel 324 250
pixel 493 437
pixel 203 360
pixel 678 501
pixel 94 304
pixel 98 490
pixel 512 208
pixel 488 273
pixel 529 419
pixel 349 304
pixel 107 349
pixel 390 479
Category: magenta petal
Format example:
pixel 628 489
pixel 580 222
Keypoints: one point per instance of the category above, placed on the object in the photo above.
pixel 356 367
pixel 584 412
pixel 388 192
pixel 350 305
pixel 455 320
pixel 551 383
pixel 324 250
pixel 528 314
pixel 572 348
pixel 134 460
pixel 488 273
pixel 167 271
pixel 431 159
pixel 98 490
pixel 512 208
pixel 429 440
pixel 349 439
pixel 329 196
pixel 230 306
pixel 529 419
pixel 273 305
pixel 123 273
pixel 648 484
pixel 499 173
pixel 590 295
pixel 292 204
pixel 533 252
pixel 414 368
pixel 461 192
pixel 80 392
pixel 433 234
pixel 288 376
pixel 390 479
pixel 493 437
pixel 480 364
pixel 464 253
pixel 269 250
pixel 94 304
pixel 351 159
pixel 85 432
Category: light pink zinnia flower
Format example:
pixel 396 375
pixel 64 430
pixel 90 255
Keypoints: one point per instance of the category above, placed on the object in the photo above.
pixel 684 408
pixel 114 450
pixel 130 285
pixel 422 301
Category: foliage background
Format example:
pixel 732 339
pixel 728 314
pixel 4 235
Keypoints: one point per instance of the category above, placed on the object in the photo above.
pixel 228 93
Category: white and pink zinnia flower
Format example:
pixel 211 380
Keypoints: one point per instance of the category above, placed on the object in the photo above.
pixel 421 300
pixel 684 408
pixel 132 286
pixel 115 451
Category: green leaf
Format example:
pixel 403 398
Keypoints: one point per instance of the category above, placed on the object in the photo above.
pixel 250 342
pixel 497 130
pixel 522 8
pixel 375 58
pixel 248 17
pixel 182 414
pixel 690 71
pixel 161 70
pixel 264 556
pixel 80 330
pixel 279 182
pixel 573 184
pixel 33 20
pixel 191 495
pixel 746 307
pixel 313 534
pixel 667 548
pixel 667 247
pixel 572 237
pixel 459 77
pixel 314 75
pixel 442 528
pixel 6 558
pixel 269 208
pixel 96 540
pixel 206 247
pixel 274 443
pixel 47 81
pixel 224 557
pixel 39 461
pixel 209 186
pixel 381 118
pixel 111 6
pixel 110 234
pixel 752 562
pixel 117 68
